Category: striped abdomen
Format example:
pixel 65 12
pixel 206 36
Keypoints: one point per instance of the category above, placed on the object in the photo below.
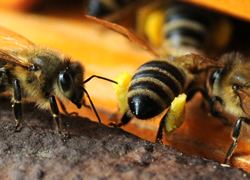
pixel 153 87
pixel 103 7
pixel 186 25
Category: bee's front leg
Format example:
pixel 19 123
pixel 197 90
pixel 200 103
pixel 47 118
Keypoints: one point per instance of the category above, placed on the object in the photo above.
pixel 159 135
pixel 17 106
pixel 56 116
pixel 125 120
pixel 65 110
pixel 217 113
pixel 4 73
pixel 235 135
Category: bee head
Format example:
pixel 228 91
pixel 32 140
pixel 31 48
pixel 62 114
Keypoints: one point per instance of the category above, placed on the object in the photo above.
pixel 70 83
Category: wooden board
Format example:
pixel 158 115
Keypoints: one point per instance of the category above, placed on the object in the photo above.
pixel 239 9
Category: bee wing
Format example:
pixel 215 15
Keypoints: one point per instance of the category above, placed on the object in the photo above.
pixel 127 33
pixel 11 39
pixel 244 96
pixel 196 63
pixel 10 43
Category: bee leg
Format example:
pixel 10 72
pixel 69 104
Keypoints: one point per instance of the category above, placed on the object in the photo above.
pixel 211 102
pixel 17 106
pixel 65 110
pixel 204 94
pixel 87 106
pixel 125 120
pixel 159 135
pixel 235 135
pixel 56 116
pixel 191 94
pixel 4 74
pixel 217 113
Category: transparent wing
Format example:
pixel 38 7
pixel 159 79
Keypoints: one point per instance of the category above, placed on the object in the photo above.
pixel 11 39
pixel 196 63
pixel 244 96
pixel 10 44
pixel 127 33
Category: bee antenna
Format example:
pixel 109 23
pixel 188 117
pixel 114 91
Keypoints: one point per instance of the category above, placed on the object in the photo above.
pixel 100 77
pixel 92 105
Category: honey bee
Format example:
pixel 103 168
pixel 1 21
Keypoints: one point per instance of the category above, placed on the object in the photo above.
pixel 230 86
pixel 186 25
pixel 156 83
pixel 40 74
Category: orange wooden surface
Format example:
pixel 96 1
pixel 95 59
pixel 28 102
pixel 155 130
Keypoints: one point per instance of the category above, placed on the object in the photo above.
pixel 107 54
pixel 235 8
pixel 18 4
pixel 239 9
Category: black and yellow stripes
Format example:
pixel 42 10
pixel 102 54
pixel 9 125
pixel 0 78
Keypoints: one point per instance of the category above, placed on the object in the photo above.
pixel 186 25
pixel 153 87
pixel 99 8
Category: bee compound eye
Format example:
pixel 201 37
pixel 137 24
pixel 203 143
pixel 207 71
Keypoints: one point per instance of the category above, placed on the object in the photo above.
pixel 65 81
